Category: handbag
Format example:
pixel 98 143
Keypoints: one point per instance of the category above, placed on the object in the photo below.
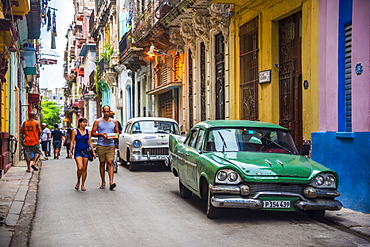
pixel 90 155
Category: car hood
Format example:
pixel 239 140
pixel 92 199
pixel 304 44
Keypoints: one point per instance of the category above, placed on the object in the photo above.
pixel 269 164
pixel 152 139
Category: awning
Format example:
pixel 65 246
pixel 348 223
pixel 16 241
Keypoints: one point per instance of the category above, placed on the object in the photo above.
pixel 164 88
pixel 34 20
pixel 33 98
pixel 85 48
pixel 29 55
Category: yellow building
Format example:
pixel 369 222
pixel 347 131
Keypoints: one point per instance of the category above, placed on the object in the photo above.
pixel 274 63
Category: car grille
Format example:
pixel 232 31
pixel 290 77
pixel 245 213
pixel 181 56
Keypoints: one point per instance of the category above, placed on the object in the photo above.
pixel 155 151
pixel 292 188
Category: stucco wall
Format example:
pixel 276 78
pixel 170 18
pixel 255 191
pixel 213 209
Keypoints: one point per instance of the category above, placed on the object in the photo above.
pixel 328 66
pixel 345 152
pixel 349 157
pixel 361 54
pixel 268 44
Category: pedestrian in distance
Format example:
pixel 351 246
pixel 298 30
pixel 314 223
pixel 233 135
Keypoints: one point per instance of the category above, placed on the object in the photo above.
pixel 45 139
pixel 81 142
pixel 67 140
pixel 115 160
pixel 106 129
pixel 31 131
pixel 58 137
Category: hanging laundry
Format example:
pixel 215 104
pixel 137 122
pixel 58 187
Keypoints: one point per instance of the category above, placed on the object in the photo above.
pixel 53 44
pixel 54 24
pixel 49 20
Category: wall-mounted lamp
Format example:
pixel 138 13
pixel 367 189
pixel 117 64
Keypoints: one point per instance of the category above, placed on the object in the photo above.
pixel 157 52
pixel 151 53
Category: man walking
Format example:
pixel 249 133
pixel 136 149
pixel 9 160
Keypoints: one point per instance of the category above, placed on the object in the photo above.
pixel 45 138
pixel 58 137
pixel 31 131
pixel 103 128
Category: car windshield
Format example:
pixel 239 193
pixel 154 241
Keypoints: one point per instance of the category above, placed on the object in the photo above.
pixel 250 140
pixel 154 127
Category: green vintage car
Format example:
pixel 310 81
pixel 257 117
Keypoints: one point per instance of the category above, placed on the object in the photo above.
pixel 252 165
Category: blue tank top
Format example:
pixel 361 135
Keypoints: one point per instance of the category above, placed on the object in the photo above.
pixel 82 141
pixel 106 127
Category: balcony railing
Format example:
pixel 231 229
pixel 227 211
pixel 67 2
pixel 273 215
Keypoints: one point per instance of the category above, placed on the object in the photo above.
pixel 125 42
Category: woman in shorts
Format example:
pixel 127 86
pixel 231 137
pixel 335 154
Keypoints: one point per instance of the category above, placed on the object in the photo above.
pixel 81 142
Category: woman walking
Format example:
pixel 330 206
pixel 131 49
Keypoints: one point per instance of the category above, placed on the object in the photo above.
pixel 81 141
pixel 67 141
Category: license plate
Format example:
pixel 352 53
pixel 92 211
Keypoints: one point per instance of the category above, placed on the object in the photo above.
pixel 276 204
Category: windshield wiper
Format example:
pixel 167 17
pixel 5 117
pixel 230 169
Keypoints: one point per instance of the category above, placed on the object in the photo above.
pixel 223 140
pixel 276 144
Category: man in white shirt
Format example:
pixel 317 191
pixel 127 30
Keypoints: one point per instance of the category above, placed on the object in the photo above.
pixel 45 139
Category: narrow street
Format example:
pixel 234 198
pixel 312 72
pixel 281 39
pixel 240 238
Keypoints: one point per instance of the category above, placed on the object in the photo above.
pixel 146 210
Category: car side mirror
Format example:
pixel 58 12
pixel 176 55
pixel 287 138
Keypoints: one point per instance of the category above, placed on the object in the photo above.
pixel 182 133
pixel 306 149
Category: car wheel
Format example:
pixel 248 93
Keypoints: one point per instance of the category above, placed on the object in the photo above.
pixel 132 166
pixel 184 192
pixel 316 214
pixel 211 211
pixel 123 162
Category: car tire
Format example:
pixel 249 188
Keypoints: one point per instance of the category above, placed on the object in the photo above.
pixel 125 162
pixel 316 214
pixel 184 192
pixel 132 166
pixel 211 211
pixel 122 161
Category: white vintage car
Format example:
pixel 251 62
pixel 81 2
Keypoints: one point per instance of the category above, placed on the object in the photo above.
pixel 145 140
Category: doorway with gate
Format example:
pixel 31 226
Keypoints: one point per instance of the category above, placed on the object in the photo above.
pixel 290 75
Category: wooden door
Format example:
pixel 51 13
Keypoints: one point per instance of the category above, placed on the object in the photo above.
pixel 290 75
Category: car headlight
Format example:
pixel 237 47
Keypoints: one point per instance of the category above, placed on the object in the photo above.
pixel 330 180
pixel 319 180
pixel 221 175
pixel 136 144
pixel 324 180
pixel 227 176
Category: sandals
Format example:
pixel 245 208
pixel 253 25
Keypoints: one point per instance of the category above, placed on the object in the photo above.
pixel 112 186
pixel 102 187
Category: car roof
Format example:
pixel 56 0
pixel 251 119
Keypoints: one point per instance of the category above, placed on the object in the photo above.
pixel 238 123
pixel 151 119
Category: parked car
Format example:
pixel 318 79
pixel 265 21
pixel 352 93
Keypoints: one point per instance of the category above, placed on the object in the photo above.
pixel 251 165
pixel 145 140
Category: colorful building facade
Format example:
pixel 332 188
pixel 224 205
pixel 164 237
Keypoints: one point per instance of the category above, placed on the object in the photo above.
pixel 342 141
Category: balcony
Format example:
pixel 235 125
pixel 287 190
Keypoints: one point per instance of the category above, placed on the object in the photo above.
pixel 20 7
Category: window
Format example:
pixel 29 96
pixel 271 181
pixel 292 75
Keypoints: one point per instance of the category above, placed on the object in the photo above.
pixel 249 70
pixel 190 141
pixel 198 144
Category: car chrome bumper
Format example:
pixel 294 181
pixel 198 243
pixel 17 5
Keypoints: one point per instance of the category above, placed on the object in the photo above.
pixel 137 158
pixel 235 201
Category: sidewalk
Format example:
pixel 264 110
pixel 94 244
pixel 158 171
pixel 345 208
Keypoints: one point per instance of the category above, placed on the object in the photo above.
pixel 18 190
